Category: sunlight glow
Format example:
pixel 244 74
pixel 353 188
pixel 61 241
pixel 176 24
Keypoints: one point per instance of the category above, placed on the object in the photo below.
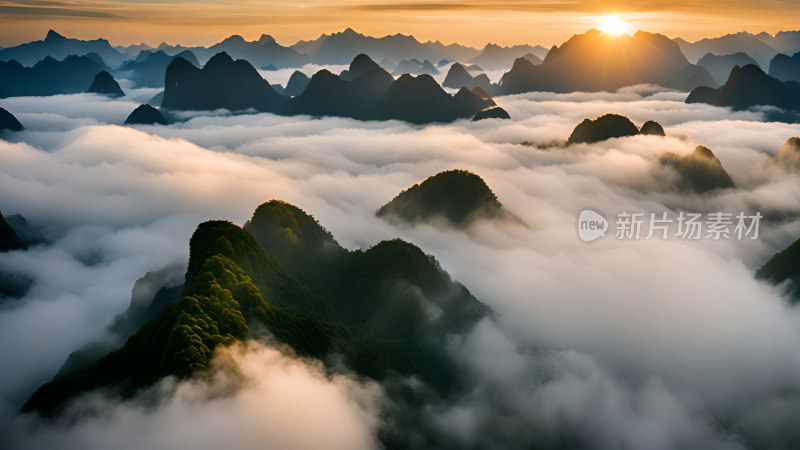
pixel 612 24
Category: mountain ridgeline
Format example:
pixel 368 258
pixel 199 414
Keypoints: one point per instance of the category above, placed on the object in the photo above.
pixel 8 122
pixel 49 76
pixel 699 171
pixel 145 115
pixel 365 91
pixel 595 61
pixel 9 240
pixel 285 276
pixel 609 126
pixel 455 197
pixel 105 84
pixel 784 268
pixel 747 87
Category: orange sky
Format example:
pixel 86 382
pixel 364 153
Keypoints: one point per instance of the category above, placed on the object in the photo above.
pixel 475 23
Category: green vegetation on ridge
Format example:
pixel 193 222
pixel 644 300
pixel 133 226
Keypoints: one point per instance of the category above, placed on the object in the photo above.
pixel 386 311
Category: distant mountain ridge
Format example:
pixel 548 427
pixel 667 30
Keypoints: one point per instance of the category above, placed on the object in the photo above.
pixel 745 42
pixel 747 87
pixel 341 48
pixel 785 67
pixel 493 56
pixel 59 47
pixel 595 61
pixel 48 77
pixel 720 66
pixel 149 67
pixel 365 91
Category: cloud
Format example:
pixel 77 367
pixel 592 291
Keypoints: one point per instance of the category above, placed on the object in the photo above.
pixel 253 396
pixel 670 344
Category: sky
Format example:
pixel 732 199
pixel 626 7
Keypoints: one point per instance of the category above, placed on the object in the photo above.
pixel 545 22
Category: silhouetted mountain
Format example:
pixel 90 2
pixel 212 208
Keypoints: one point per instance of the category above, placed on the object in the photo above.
pixel 279 89
pixel 421 100
pixel 8 237
pixel 749 86
pixel 700 171
pixel 492 112
pixel 309 47
pixel 785 68
pixel 532 58
pixel 261 53
pixel 340 48
pixel 372 95
pixel 105 84
pixel 788 156
pixel 12 286
pixel 729 44
pixel 652 128
pixel 157 99
pixel 369 308
pixel 28 233
pixel 59 47
pixel 297 84
pixel 720 66
pixel 221 83
pixel 604 127
pixel 458 77
pixel 415 67
pixel 9 122
pixel 496 57
pixel 148 69
pixel 48 77
pixel 481 93
pixel 387 65
pixel 783 41
pixel 96 58
pixel 784 267
pixel 457 197
pixel 145 115
pixel 330 95
pixel 131 51
pixel 596 61
pixel 361 65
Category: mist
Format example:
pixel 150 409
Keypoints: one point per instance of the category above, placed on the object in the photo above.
pixel 643 344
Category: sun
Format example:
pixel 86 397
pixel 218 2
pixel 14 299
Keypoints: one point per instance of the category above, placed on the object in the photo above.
pixel 612 24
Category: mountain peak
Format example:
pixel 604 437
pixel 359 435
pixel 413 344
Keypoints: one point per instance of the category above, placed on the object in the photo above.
pixel 52 35
pixel 456 196
pixel 220 58
pixel 266 39
pixel 105 84
pixel 699 171
pixel 605 127
pixel 145 115
pixel 284 229
pixel 233 39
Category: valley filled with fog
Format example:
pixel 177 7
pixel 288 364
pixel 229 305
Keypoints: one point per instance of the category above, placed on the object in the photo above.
pixel 622 343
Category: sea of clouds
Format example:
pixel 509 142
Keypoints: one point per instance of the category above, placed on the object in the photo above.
pixel 654 344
